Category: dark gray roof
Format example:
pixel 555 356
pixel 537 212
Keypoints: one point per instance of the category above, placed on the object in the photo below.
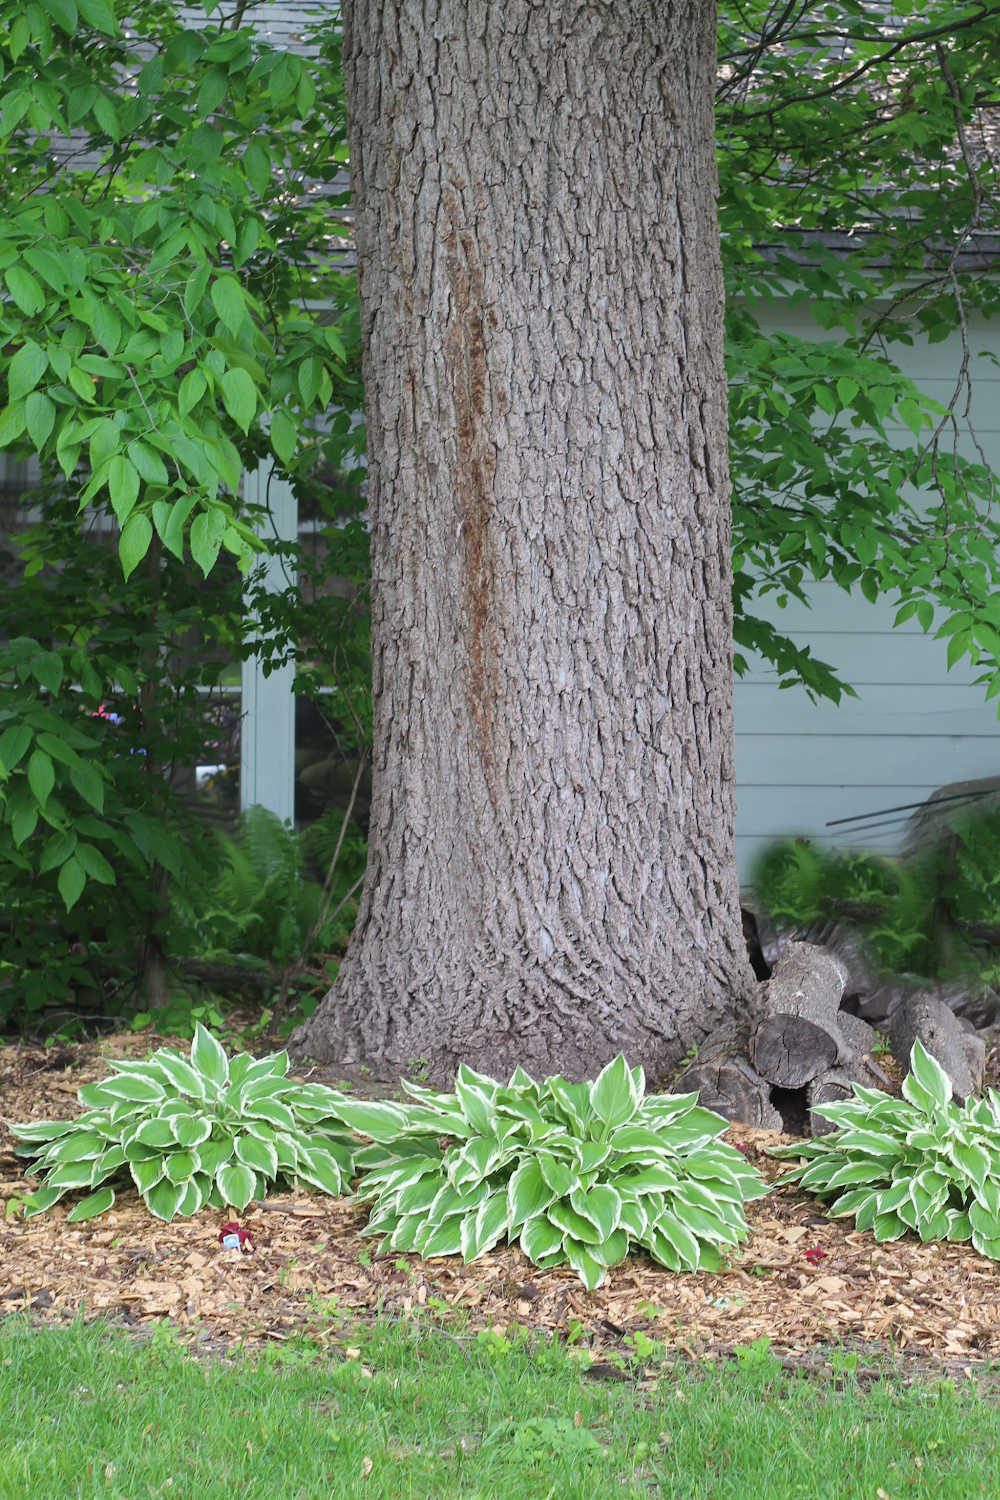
pixel 981 252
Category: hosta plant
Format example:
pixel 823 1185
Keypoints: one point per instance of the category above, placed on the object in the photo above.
pixel 189 1133
pixel 921 1162
pixel 575 1173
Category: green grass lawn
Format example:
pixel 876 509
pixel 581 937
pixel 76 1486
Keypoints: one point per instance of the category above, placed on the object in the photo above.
pixel 413 1411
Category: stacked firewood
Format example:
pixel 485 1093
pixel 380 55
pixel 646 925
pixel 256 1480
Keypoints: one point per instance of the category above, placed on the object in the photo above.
pixel 802 1043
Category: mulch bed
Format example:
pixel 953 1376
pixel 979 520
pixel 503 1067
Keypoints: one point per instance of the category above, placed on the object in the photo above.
pixel 805 1282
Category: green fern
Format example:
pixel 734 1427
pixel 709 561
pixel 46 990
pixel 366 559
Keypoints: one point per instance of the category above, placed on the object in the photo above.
pixel 792 880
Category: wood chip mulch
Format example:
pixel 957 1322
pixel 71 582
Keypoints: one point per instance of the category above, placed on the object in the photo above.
pixel 805 1282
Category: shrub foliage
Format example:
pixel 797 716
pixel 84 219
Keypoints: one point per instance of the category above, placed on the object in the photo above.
pixel 197 1132
pixel 575 1173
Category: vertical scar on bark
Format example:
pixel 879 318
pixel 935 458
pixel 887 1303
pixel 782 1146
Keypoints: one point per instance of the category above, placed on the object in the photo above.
pixel 475 471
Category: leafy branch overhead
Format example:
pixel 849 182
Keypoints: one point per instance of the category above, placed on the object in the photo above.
pixel 858 185
pixel 164 249
pixel 158 253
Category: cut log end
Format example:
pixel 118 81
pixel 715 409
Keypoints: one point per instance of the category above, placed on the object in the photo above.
pixel 790 1051
pixel 726 1081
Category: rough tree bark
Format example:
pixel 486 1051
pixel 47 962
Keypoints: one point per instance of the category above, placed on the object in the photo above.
pixel 551 875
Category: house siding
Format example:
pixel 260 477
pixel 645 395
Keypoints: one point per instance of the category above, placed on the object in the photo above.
pixel 915 725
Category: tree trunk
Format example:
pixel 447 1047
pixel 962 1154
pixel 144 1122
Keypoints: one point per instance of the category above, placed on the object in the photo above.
pixel 551 873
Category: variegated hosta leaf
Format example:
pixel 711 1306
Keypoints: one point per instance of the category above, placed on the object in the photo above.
pixel 921 1163
pixel 576 1172
pixel 190 1132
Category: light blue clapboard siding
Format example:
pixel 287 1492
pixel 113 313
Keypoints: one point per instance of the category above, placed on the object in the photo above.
pixel 769 760
pixel 916 726
pixel 929 710
pixel 871 656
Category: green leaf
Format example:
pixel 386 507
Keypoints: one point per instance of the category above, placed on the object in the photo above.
pixel 910 414
pixel 173 532
pixel 196 288
pixel 985 1224
pixel 570 1222
pixel 25 290
pixel 165 1198
pixel 133 544
pixel 257 166
pixel 260 1155
pixel 82 383
pixel 23 825
pixel 148 464
pixel 540 1237
pixel 197 1192
pixel 215 1153
pixel 107 327
pixel 106 116
pixel 88 783
pixel 931 1077
pixel 560 1178
pixel 91 1206
pixel 310 372
pixel 271 1110
pixel 20 36
pixel 482 1230
pixel 180 1166
pixel 237 1184
pixel 78 1145
pixel 191 390
pixel 442 1239
pixel 207 531
pixel 239 396
pixel 156 1133
pixel 655 1179
pixel 41 776
pixel 57 850
pixel 602 1205
pixel 380 1121
pixel 71 1174
pixel 13 745
pixel 41 1200
pixel 581 1258
pixel 229 301
pixel 68 447
pixel 108 1162
pixel 47 668
pixel 64 13
pixel 971 1159
pixel 208 1057
pixel 123 483
pixel 888 1226
pixel 190 1130
pixel 26 370
pixel 613 1097
pixel 13 420
pixel 668 1227
pixel 136 1090
pixel 40 417
pixel 284 436
pixel 183 1077
pixel 528 1193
